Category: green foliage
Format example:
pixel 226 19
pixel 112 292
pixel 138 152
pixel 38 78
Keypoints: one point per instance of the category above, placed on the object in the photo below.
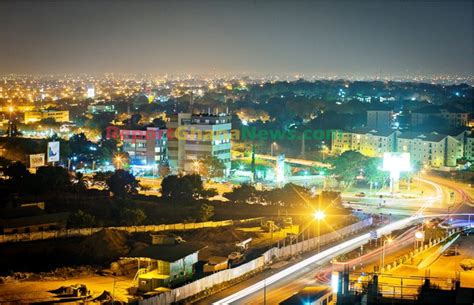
pixel 290 195
pixel 244 193
pixel 348 165
pixel 206 211
pixel 81 219
pixel 211 167
pixel 186 188
pixel 53 179
pixel 122 183
pixel 16 171
pixel 373 173
pixel 132 216
pixel 351 164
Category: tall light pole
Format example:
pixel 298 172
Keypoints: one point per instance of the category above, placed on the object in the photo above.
pixel 274 144
pixel 10 111
pixel 419 236
pixel 319 215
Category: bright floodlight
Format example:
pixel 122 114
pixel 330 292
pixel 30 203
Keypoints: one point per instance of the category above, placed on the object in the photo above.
pixel 419 235
pixel 319 215
pixel 334 281
pixel 395 163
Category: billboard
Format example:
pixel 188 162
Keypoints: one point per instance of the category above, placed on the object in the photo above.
pixel 280 169
pixel 53 151
pixel 395 161
pixel 36 160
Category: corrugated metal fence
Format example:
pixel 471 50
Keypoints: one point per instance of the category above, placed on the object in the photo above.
pixel 20 237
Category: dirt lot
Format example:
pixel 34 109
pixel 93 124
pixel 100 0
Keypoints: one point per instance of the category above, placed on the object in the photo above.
pixel 27 291
pixel 30 269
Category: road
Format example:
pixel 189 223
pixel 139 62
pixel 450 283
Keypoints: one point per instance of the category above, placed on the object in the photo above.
pixel 299 274
pixel 276 287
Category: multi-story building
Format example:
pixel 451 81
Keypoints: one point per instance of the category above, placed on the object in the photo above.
pixel 197 136
pixel 379 119
pixel 36 116
pixel 469 147
pixel 431 149
pixel 452 116
pixel 368 141
pixel 146 147
pixel 176 143
pixel 101 108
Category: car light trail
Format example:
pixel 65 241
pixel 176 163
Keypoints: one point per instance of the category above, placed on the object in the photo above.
pixel 324 254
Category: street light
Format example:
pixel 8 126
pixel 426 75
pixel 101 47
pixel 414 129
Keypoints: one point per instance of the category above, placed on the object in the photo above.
pixel 419 237
pixel 389 241
pixel 118 161
pixel 319 215
pixel 10 110
pixel 271 147
pixel 196 166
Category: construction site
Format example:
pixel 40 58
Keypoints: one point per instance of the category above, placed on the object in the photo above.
pixel 121 266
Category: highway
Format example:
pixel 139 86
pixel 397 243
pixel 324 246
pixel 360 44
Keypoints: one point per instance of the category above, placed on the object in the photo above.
pixel 277 286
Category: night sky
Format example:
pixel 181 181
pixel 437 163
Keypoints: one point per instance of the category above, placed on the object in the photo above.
pixel 319 37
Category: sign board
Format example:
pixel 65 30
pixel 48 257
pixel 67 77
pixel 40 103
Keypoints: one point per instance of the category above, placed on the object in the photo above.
pixel 36 160
pixel 53 152
pixel 395 161
pixel 373 235
pixel 280 169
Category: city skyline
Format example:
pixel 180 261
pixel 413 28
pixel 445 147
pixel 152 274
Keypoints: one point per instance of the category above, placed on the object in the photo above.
pixel 322 38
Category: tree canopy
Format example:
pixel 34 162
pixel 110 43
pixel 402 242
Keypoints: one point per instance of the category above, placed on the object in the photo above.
pixel 186 188
pixel 122 183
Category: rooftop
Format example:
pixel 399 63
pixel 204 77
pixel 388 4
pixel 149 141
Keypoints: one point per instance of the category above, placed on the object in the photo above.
pixel 431 109
pixel 430 137
pixel 167 253
pixel 307 296
pixel 377 132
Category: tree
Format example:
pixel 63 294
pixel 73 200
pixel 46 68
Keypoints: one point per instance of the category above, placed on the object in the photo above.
pixel 186 188
pixel 206 211
pixel 373 173
pixel 16 171
pixel 100 178
pixel 80 184
pixel 132 216
pixel 122 183
pixel 290 195
pixel 348 166
pixel 211 167
pixel 53 179
pixel 79 144
pixel 244 193
pixel 81 219
pixel 108 148
pixel 164 170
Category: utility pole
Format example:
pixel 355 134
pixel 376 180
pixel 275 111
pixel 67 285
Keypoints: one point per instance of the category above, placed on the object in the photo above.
pixel 265 292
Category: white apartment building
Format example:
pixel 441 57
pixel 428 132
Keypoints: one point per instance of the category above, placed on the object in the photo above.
pixel 368 141
pixel 431 149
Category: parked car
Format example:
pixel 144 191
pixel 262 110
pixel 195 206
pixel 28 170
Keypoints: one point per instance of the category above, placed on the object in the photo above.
pixel 361 194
